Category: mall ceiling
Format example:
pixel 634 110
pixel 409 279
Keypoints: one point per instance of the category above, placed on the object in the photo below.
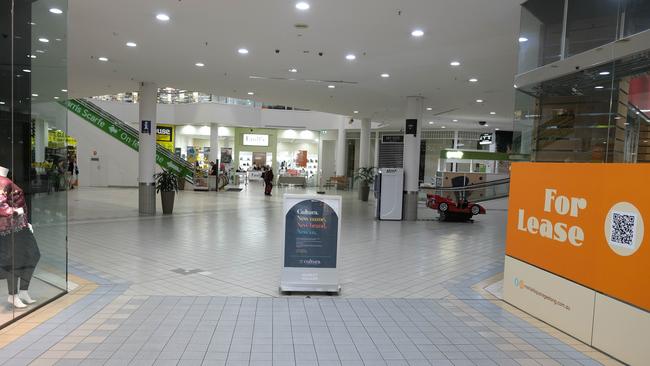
pixel 481 35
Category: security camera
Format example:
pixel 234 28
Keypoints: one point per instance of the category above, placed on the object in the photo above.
pixel 320 54
pixel 277 51
pixel 482 123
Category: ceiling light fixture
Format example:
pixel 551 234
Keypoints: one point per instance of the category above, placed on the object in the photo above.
pixel 350 57
pixel 34 95
pixel 27 70
pixel 429 108
pixel 496 129
pixel 454 120
pixel 356 112
pixel 293 70
pixel 251 93
pixel 131 44
pixel 385 75
pixel 493 113
pixel 331 86
pixel 57 98
pixel 56 11
pixel 40 51
pixel 243 51
pixel 44 40
pixel 454 63
pixel 604 73
pixel 199 64
pixel 302 5
pixel 473 80
pixel 443 126
pixel 599 87
pixel 64 90
pixel 2 103
pixel 417 33
pixel 102 59
pixel 523 39
pixel 162 17
pixel 479 101
pixel 430 122
pixel 31 56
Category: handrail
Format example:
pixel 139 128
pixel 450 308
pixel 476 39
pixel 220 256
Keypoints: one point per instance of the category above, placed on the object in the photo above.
pixel 472 186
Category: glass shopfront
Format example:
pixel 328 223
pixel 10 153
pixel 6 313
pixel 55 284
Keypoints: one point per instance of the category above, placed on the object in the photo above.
pixel 33 215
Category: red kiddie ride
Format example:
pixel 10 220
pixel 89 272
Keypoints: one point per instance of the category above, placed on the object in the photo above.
pixel 449 210
pixel 461 209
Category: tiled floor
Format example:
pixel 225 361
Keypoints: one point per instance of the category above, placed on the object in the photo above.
pixel 200 288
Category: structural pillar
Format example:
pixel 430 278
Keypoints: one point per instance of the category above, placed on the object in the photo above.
pixel 214 143
pixel 40 140
pixel 377 142
pixel 147 151
pixel 412 158
pixel 364 145
pixel 340 147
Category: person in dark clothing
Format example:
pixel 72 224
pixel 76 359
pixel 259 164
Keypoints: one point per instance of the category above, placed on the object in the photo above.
pixel 268 180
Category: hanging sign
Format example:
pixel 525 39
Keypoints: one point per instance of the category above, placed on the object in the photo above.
pixel 312 233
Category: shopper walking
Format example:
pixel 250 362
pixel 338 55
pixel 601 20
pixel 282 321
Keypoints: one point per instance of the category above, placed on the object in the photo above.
pixel 268 180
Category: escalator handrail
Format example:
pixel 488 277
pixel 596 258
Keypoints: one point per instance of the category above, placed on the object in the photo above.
pixel 473 186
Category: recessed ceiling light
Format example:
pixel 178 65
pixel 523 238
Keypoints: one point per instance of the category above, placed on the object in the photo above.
pixel 443 126
pixel 64 90
pixel 56 11
pixel 31 56
pixel 430 122
pixel 486 125
pixel 356 112
pixel 350 57
pixel 32 23
pixel 599 87
pixel 27 70
pixel 243 51
pixel 429 108
pixel 103 59
pixel 131 44
pixel 496 129
pixel 385 75
pixel 44 40
pixel 56 97
pixel 162 17
pixel 493 113
pixel 199 64
pixel 293 70
pixel 515 86
pixel 479 101
pixel 331 86
pixel 454 63
pixel 34 95
pixel 523 39
pixel 302 5
pixel 40 51
pixel 251 93
pixel 454 120
pixel 417 33
pixel 473 80
pixel 58 39
pixel 603 73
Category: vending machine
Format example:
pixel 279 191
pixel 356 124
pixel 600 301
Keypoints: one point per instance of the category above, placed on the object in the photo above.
pixel 389 192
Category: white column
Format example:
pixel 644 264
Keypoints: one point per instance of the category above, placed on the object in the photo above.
pixel 340 147
pixel 364 145
pixel 412 159
pixel 214 143
pixel 147 152
pixel 40 140
pixel 377 142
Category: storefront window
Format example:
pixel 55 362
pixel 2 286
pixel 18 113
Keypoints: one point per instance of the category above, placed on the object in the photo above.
pixel 590 23
pixel 540 37
pixel 34 170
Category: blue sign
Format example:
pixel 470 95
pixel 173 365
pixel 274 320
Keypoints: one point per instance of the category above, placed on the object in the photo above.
pixel 311 235
pixel 145 127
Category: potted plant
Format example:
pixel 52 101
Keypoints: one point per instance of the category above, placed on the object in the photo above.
pixel 167 185
pixel 366 177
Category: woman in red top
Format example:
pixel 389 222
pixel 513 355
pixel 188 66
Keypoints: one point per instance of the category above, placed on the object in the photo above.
pixel 19 252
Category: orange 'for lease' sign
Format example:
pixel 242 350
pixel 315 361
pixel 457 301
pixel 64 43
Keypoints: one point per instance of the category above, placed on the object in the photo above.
pixel 584 222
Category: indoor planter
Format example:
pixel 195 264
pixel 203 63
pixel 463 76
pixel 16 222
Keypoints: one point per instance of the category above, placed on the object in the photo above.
pixel 366 177
pixel 167 185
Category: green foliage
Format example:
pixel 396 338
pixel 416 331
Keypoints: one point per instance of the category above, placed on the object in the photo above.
pixel 365 175
pixel 166 181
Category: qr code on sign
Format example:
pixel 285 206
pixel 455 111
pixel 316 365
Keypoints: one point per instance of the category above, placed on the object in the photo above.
pixel 623 229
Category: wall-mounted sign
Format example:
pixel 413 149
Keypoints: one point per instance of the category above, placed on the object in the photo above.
pixel 392 139
pixel 485 139
pixel 312 234
pixel 412 127
pixel 145 127
pixel 255 140
pixel 559 220
pixel 165 136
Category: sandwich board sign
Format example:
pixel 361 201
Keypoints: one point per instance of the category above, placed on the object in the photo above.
pixel 312 233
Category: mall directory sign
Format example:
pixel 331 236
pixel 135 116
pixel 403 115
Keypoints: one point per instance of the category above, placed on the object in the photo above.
pixel 312 232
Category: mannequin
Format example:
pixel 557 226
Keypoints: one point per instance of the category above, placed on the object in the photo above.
pixel 19 252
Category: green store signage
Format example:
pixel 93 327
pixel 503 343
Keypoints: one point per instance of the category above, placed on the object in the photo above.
pixel 126 137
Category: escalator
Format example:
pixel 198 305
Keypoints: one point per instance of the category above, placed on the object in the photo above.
pixel 128 135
